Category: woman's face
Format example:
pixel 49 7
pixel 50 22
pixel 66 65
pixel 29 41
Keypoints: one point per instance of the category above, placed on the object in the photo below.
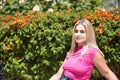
pixel 80 35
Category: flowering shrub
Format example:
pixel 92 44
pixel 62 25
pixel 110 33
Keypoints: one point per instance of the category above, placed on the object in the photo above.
pixel 33 45
pixel 23 6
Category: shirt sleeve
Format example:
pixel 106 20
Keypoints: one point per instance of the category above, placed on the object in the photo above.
pixel 92 52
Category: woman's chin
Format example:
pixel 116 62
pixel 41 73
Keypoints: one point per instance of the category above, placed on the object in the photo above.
pixel 80 42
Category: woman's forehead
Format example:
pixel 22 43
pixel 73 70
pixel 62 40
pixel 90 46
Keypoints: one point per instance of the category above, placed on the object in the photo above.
pixel 79 27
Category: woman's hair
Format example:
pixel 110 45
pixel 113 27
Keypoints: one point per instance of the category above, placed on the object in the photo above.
pixel 90 40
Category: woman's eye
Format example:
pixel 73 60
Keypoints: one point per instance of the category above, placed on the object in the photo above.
pixel 82 31
pixel 76 31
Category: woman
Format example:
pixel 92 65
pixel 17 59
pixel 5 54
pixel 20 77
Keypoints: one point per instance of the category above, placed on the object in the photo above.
pixel 83 56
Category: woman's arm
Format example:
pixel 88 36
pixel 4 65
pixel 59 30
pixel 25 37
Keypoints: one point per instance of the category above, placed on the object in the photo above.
pixel 58 75
pixel 101 65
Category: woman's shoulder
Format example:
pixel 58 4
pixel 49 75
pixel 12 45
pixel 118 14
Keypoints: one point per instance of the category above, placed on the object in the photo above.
pixel 92 50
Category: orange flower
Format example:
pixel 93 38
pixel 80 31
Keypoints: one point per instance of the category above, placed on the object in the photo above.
pixel 3 24
pixel 69 10
pixel 100 18
pixel 100 31
pixel 23 65
pixel 7 18
pixel 42 14
pixel 98 11
pixel 119 34
pixel 17 13
pixel 117 18
pixel 105 12
pixel 105 47
pixel 11 49
pixel 26 21
pixel 92 20
pixel 14 22
pixel 11 43
pixel 97 29
pixel 29 15
pixel 110 15
pixel 21 25
pixel 101 26
pixel 4 48
pixel 17 41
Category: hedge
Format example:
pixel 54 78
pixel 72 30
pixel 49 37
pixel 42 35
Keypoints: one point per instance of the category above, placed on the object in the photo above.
pixel 34 45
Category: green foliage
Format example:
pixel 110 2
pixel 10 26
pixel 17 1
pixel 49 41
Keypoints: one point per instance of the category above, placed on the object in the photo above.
pixel 30 52
pixel 33 45
pixel 11 6
pixel 36 50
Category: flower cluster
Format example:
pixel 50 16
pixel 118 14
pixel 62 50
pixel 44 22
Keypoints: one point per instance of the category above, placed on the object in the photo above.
pixel 103 15
pixel 20 21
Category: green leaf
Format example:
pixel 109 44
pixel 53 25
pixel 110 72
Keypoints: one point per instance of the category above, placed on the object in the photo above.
pixel 11 2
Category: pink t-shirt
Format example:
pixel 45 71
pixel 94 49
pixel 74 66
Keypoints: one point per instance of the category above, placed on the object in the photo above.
pixel 80 69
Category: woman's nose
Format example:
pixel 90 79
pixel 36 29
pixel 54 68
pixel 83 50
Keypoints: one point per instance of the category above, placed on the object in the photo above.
pixel 78 33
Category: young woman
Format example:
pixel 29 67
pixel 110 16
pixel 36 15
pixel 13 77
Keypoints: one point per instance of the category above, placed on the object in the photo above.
pixel 83 56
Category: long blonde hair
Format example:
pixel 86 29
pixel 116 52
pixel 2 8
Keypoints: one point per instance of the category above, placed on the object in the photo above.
pixel 91 40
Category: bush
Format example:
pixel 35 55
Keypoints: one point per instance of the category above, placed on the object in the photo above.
pixel 12 6
pixel 34 45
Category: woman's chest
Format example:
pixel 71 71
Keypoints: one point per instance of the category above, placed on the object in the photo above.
pixel 77 65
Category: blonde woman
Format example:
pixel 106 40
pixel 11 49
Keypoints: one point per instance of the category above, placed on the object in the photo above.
pixel 83 56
